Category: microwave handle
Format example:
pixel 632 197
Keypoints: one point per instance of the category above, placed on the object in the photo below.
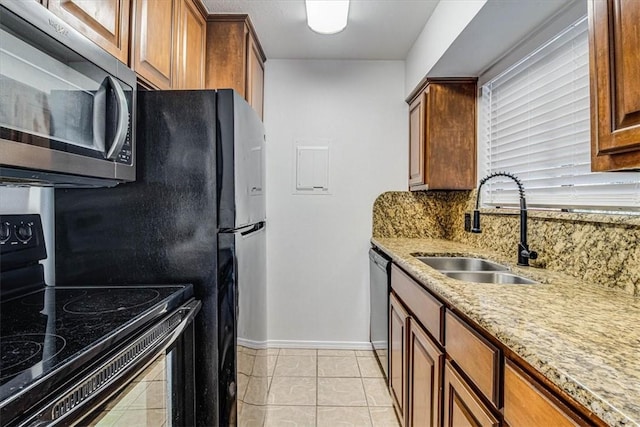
pixel 123 120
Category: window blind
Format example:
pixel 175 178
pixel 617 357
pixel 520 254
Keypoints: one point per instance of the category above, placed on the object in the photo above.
pixel 535 123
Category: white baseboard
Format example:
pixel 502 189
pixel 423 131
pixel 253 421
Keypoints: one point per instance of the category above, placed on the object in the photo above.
pixel 253 344
pixel 333 345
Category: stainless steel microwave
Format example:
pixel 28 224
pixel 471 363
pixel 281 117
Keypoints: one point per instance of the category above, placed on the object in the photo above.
pixel 66 106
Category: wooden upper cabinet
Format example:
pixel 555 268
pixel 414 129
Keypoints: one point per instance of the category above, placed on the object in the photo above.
pixel 152 51
pixel 416 141
pixel 442 135
pixel 614 49
pixel 190 46
pixel 168 47
pixel 105 22
pixel 255 77
pixel 234 58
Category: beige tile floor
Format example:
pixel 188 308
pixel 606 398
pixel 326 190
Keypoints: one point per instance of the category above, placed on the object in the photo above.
pixel 315 388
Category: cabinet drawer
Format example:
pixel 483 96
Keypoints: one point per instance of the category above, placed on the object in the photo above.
pixel 428 310
pixel 478 358
pixel 525 406
pixel 462 407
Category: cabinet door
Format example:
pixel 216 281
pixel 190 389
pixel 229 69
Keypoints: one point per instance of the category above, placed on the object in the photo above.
pixel 190 50
pixel 226 53
pixel 450 136
pixel 614 48
pixel 526 406
pixel 416 142
pixel 425 378
pixel 152 51
pixel 255 77
pixel 397 355
pixel 474 355
pixel 105 22
pixel 462 407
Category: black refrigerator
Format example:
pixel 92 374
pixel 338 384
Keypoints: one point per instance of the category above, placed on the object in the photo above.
pixel 195 214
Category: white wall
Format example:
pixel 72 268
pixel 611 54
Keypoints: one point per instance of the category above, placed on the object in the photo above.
pixel 318 271
pixel 34 200
pixel 446 23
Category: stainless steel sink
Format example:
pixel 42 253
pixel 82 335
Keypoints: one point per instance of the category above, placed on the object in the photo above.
pixel 475 270
pixel 489 277
pixel 443 263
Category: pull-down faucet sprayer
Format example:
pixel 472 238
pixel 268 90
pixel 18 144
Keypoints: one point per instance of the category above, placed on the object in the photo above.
pixel 524 254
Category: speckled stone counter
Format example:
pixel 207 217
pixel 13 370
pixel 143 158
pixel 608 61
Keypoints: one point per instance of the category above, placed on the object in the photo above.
pixel 596 248
pixel 584 338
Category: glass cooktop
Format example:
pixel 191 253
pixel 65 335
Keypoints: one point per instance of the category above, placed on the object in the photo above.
pixel 61 328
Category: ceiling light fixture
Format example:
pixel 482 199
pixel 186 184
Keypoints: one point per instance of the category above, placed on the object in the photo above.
pixel 327 16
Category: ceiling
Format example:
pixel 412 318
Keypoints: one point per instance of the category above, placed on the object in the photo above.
pixel 377 29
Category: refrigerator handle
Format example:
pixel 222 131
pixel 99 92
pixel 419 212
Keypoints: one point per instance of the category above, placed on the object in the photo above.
pixel 258 226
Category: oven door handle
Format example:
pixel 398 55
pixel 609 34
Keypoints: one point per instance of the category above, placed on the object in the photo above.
pixel 110 376
pixel 190 310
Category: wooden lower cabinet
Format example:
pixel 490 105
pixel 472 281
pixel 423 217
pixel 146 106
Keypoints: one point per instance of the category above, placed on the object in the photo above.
pixel 474 355
pixel 397 355
pixel 525 405
pixel 446 371
pixel 425 362
pixel 462 407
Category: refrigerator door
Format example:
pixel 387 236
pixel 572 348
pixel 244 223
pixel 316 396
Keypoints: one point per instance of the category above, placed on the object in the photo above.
pixel 240 163
pixel 242 318
pixel 251 250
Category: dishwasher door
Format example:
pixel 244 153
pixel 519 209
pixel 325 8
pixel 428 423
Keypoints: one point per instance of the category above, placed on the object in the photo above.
pixel 379 266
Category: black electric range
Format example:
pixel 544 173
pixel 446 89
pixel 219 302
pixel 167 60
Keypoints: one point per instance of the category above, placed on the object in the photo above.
pixel 50 335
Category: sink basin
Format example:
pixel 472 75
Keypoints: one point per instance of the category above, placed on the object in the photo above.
pixel 489 277
pixel 463 264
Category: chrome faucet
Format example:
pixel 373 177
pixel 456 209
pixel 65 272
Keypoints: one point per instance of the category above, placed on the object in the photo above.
pixel 524 254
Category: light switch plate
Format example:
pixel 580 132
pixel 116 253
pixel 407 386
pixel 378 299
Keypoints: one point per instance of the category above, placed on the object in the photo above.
pixel 311 168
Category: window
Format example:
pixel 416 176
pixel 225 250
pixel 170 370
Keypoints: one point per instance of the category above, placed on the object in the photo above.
pixel 535 124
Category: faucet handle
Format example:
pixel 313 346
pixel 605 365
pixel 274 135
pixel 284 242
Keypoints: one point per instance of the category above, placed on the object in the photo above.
pixel 526 253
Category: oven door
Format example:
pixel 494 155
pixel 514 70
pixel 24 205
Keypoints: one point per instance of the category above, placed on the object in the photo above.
pixel 147 382
pixel 153 397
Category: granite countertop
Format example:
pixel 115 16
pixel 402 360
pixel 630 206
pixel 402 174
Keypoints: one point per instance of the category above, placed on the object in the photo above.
pixel 583 337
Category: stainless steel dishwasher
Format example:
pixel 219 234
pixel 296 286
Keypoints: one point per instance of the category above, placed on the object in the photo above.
pixel 379 265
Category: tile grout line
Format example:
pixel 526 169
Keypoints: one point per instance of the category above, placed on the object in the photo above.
pixel 317 375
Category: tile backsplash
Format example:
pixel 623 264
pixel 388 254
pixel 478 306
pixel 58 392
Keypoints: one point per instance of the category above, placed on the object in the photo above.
pixel 599 249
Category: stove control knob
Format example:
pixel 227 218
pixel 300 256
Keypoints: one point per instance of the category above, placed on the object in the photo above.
pixel 5 232
pixel 24 232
